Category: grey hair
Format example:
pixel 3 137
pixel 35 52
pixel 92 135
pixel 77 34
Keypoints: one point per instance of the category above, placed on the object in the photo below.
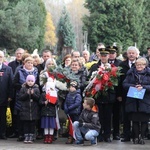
pixel 18 49
pixel 48 61
pixel 141 59
pixel 133 48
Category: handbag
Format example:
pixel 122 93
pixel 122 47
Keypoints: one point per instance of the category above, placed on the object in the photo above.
pixel 8 116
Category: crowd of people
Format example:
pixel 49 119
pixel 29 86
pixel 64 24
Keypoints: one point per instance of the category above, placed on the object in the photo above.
pixel 29 88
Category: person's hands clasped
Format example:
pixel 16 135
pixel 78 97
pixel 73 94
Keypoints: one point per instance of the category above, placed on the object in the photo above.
pixel 139 87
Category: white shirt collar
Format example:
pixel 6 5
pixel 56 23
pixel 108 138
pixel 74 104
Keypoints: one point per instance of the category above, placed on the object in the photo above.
pixel 131 62
pixel 0 66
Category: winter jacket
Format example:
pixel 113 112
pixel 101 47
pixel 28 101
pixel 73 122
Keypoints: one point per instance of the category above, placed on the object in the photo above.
pixel 132 79
pixel 48 110
pixel 6 90
pixel 73 103
pixel 19 80
pixel 90 119
pixel 29 102
pixel 14 64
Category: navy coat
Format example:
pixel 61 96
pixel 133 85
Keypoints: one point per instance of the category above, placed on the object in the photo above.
pixel 6 90
pixel 133 78
pixel 73 103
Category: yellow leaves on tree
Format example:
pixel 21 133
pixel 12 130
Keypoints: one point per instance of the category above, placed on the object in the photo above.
pixel 50 35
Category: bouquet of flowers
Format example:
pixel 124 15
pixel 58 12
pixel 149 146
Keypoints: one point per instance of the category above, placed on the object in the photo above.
pixel 62 77
pixel 102 80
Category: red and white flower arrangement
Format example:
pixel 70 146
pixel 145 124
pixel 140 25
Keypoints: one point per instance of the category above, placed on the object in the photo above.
pixel 102 80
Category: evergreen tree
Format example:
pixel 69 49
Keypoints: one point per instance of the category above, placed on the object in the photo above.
pixel 146 27
pixel 65 34
pixel 23 25
pixel 115 21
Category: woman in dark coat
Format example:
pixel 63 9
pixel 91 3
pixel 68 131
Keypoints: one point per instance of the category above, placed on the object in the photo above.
pixel 29 96
pixel 138 77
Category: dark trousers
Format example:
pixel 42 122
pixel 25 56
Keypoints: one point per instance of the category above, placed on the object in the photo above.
pixel 139 128
pixel 105 112
pixel 29 126
pixel 116 117
pixel 126 123
pixel 3 120
pixel 18 124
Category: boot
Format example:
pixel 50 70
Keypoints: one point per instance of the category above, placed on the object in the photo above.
pixel 50 139
pixel 70 140
pixel 45 139
pixel 31 138
pixel 26 136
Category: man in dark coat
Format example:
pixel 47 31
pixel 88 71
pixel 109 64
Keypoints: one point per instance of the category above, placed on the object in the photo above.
pixel 132 54
pixel 117 104
pixel 6 93
pixel 14 64
pixel 18 61
pixel 105 103
pixel 46 54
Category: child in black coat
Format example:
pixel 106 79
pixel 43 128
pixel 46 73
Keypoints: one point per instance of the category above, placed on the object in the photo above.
pixel 29 98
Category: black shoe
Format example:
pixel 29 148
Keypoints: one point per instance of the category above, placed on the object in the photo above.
pixel 108 140
pixel 100 139
pixel 3 137
pixel 116 137
pixel 141 141
pixel 136 141
pixel 20 138
pixel 13 136
pixel 125 140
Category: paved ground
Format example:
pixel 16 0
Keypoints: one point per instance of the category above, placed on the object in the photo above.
pixel 12 144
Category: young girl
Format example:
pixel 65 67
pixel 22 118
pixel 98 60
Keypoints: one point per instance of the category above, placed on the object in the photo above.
pixel 29 96
pixel 48 113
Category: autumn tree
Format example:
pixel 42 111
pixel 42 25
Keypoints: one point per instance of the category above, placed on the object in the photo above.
pixel 115 21
pixel 50 36
pixel 65 32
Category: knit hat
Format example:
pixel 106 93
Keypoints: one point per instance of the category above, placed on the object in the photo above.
pixel 31 78
pixel 74 84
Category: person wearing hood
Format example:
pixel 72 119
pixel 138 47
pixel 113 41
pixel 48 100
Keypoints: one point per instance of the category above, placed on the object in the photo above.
pixel 29 99
pixel 73 105
pixel 138 109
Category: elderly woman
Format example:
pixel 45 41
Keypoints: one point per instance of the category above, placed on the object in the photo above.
pixel 80 71
pixel 139 110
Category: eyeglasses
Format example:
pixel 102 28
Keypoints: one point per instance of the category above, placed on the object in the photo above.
pixel 140 64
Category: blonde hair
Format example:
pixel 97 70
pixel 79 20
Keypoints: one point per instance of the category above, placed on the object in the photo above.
pixel 29 59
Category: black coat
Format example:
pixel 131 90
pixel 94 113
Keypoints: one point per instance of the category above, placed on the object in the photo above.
pixel 48 110
pixel 6 90
pixel 29 103
pixel 90 119
pixel 133 78
pixel 14 64
pixel 125 67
